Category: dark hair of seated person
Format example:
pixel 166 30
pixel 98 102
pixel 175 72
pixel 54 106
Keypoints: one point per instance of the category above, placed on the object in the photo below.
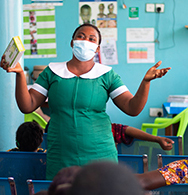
pixel 105 178
pixel 29 136
pixel 43 192
pixel 63 180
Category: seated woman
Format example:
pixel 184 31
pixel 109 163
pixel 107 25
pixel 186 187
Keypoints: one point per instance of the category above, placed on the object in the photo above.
pixel 29 136
pixel 172 173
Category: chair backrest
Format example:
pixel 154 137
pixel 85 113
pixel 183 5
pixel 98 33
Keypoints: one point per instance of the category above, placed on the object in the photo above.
pixel 35 186
pixel 44 142
pixel 22 166
pixel 166 159
pixel 7 186
pixel 139 147
pixel 182 118
pixel 35 117
pixel 180 189
pixel 138 163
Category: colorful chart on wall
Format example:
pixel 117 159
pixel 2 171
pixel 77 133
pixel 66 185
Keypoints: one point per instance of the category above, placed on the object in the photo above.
pixel 39 31
pixel 48 2
pixel 140 53
pixel 102 14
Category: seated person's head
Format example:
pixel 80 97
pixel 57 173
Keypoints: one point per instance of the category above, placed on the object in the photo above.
pixel 29 136
pixel 63 180
pixel 105 178
pixel 43 192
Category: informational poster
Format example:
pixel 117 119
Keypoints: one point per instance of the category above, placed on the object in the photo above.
pixel 48 2
pixel 140 34
pixel 102 14
pixel 39 31
pixel 140 53
pixel 108 52
pixel 133 13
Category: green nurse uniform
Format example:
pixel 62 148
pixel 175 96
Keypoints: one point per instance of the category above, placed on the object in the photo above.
pixel 79 130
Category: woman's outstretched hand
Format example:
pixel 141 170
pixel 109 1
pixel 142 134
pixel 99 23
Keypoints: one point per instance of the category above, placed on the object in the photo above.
pixel 154 73
pixel 5 66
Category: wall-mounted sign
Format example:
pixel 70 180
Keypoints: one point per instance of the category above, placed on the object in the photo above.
pixel 133 13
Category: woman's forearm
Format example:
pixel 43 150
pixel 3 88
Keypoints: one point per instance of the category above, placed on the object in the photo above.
pixel 139 100
pixel 23 96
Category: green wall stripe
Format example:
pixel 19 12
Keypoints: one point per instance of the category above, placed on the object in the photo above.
pixel 45 18
pixel 46 31
pixel 46 40
pixel 38 10
pixel 27 41
pixel 25 19
pixel 27 52
pixel 46 51
pixel 26 32
pixel 41 51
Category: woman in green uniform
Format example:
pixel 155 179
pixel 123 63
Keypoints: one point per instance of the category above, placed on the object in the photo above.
pixel 77 92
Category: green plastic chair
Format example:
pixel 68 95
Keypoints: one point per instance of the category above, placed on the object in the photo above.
pixel 35 117
pixel 161 123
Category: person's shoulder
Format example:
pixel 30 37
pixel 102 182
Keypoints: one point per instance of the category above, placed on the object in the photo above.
pixel 13 150
pixel 41 150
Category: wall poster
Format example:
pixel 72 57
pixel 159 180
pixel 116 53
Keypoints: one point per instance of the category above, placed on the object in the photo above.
pixel 39 31
pixel 102 14
pixel 108 52
pixel 140 53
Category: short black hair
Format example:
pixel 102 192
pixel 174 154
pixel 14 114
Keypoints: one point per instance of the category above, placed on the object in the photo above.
pixel 29 136
pixel 63 179
pixel 105 178
pixel 87 24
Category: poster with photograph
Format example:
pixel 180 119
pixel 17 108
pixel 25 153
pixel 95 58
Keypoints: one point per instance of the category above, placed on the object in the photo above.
pixel 102 14
pixel 39 31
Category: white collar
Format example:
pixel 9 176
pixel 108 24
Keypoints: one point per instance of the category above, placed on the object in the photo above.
pixel 61 70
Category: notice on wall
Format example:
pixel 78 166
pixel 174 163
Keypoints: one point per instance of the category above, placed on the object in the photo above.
pixel 39 31
pixel 102 14
pixel 133 13
pixel 140 53
pixel 108 52
pixel 48 2
pixel 140 34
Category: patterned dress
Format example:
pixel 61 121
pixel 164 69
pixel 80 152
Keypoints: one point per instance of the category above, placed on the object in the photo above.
pixel 175 172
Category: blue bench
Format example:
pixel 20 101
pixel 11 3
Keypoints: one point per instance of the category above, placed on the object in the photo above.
pixel 22 166
pixel 140 147
pixel 138 163
pixel 35 186
pixel 176 189
pixel 7 186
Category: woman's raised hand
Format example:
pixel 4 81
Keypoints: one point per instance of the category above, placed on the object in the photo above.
pixel 5 66
pixel 154 73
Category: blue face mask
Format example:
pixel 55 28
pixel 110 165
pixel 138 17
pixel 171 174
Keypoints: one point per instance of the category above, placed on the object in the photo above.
pixel 84 50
